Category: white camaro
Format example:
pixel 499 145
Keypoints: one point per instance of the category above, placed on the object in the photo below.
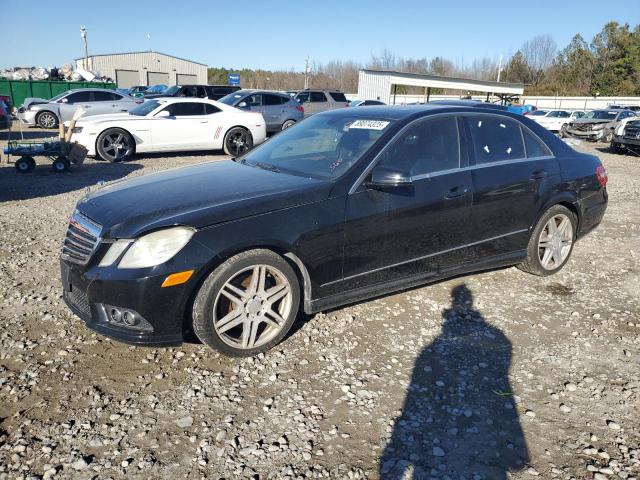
pixel 555 120
pixel 170 125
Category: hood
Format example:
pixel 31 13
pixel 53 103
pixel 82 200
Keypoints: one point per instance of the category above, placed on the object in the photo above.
pixel 33 101
pixel 107 117
pixel 198 196
pixel 591 120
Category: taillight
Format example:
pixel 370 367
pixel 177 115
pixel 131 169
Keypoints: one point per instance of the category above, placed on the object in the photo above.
pixel 300 108
pixel 601 175
pixel 139 101
pixel 346 104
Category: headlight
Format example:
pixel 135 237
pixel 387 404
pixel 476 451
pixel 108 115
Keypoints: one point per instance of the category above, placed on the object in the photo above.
pixel 76 130
pixel 149 250
pixel 598 126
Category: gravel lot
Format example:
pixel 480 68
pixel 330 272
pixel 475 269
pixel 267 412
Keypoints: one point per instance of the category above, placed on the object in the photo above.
pixel 487 376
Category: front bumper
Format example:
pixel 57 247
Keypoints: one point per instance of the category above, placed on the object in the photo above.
pixel 27 117
pixel 627 142
pixel 585 134
pixel 90 292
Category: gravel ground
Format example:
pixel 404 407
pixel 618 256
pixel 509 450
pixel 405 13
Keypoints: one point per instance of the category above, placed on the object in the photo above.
pixel 487 376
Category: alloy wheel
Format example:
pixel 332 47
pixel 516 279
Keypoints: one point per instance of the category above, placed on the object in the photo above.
pixel 237 143
pixel 47 120
pixel 554 244
pixel 252 307
pixel 116 146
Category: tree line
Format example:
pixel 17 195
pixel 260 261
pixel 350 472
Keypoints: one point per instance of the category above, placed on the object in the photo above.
pixel 609 65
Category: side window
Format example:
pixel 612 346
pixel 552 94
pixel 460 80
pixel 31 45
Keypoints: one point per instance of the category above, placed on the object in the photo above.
pixel 318 97
pixel 495 138
pixel 428 146
pixel 625 115
pixel 254 100
pixel 115 96
pixel 79 97
pixel 303 97
pixel 201 92
pixel 533 145
pixel 185 109
pixel 563 114
pixel 210 109
pixel 273 99
pixel 101 96
pixel 189 91
pixel 338 97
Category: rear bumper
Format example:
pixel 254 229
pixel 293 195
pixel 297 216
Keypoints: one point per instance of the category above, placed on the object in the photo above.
pixel 592 210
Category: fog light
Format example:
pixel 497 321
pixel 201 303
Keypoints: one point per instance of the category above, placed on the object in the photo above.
pixel 115 315
pixel 129 318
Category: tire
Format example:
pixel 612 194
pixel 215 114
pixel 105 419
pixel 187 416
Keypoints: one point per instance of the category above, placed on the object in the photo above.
pixel 61 165
pixel 233 315
pixel 47 119
pixel 558 249
pixel 25 164
pixel 237 141
pixel 563 131
pixel 615 147
pixel 608 137
pixel 115 145
pixel 288 123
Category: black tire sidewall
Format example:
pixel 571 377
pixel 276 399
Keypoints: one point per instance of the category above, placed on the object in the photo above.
pixel 231 132
pixel 100 151
pixel 532 250
pixel 292 123
pixel 205 299
pixel 26 162
pixel 41 114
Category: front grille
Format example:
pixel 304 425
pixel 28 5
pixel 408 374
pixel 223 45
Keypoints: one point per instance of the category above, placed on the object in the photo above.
pixel 83 237
pixel 631 132
pixel 583 127
pixel 79 300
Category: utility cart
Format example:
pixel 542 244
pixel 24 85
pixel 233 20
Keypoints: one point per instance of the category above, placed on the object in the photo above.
pixel 62 153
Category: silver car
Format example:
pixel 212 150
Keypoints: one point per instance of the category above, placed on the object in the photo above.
pixel 316 101
pixel 94 101
pixel 279 110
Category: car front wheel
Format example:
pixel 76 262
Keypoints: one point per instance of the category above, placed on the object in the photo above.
pixel 248 304
pixel 551 242
pixel 47 120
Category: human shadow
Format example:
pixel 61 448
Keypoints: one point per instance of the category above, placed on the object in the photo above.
pixel 459 418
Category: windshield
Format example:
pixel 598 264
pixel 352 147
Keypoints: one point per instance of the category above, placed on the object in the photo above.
pixel 601 114
pixel 145 108
pixel 538 113
pixel 232 98
pixel 171 90
pixel 59 96
pixel 323 146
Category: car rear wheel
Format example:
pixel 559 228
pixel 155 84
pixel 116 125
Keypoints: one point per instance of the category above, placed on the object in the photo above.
pixel 61 165
pixel 247 304
pixel 237 141
pixel 551 242
pixel 47 120
pixel 288 123
pixel 115 145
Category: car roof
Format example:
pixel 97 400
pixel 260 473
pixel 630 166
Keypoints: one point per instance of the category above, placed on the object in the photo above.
pixel 398 112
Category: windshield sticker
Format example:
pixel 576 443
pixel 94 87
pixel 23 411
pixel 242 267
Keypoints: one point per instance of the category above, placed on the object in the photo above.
pixel 370 124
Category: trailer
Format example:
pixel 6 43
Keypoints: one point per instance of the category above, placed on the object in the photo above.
pixel 60 152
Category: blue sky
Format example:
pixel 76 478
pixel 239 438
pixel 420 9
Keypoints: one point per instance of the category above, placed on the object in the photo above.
pixel 279 35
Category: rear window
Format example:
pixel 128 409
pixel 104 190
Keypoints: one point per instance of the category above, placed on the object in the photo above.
pixel 338 96
pixel 533 145
pixel 495 138
pixel 269 99
pixel 318 97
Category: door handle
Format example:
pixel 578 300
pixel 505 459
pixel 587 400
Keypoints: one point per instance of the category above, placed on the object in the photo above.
pixel 539 175
pixel 457 191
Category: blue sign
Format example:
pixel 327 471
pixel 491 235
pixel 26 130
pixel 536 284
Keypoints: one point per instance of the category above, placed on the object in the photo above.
pixel 233 78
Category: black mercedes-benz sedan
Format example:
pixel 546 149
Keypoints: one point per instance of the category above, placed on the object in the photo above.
pixel 347 205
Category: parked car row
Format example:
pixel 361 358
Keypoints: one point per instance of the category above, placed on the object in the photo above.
pixel 597 125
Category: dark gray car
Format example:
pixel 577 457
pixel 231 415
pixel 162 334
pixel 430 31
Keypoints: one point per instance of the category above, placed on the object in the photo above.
pixel 280 111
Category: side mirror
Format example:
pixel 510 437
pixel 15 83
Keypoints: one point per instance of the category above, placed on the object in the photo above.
pixel 163 114
pixel 242 105
pixel 64 100
pixel 383 178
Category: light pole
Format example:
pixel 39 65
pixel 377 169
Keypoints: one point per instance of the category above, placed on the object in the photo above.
pixel 83 34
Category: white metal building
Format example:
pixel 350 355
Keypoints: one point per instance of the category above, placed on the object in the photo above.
pixel 146 68
pixel 382 85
